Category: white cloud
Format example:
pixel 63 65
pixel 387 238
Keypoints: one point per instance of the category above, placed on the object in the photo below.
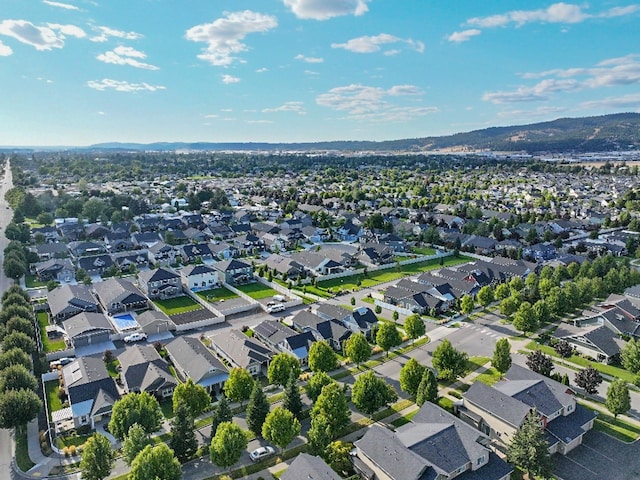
pixel 326 9
pixel 372 44
pixel 463 36
pixel 374 103
pixel 561 12
pixel 41 38
pixel 262 70
pixel 212 115
pixel 5 50
pixel 627 102
pixel 122 55
pixel 67 30
pixel 229 79
pixel 105 32
pixel 311 72
pixel 224 35
pixel 612 72
pixel 309 59
pixel 297 107
pixel 66 6
pixel 122 86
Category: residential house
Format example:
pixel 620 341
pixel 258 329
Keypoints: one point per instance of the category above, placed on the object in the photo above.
pixel 316 263
pixel 499 411
pixel 375 254
pixel 281 338
pixel 83 249
pixel 88 328
pixel 539 252
pixel 223 251
pixel 131 261
pixel 95 265
pixel 332 331
pixel 69 300
pixel 194 253
pixel 309 467
pixel 143 370
pixel 49 233
pixel 361 319
pixel 596 340
pixel 145 239
pixel 242 351
pixel 235 272
pixel 285 266
pixel 435 445
pixel 59 269
pixel 162 254
pixel 199 277
pixel 90 389
pixel 155 323
pixel 160 283
pixel 119 295
pixel 47 251
pixel 192 359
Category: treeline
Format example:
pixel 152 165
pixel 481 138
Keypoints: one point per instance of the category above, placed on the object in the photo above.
pixel 19 387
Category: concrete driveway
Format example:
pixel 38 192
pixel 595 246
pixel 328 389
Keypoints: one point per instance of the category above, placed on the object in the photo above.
pixel 599 457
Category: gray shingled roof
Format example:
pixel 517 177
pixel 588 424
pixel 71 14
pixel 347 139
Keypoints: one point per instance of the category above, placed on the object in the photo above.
pixel 497 403
pixel 387 451
pixel 194 358
pixel 72 297
pixel 308 467
pixel 86 322
pixel 241 349
pixel 117 290
pixel 143 369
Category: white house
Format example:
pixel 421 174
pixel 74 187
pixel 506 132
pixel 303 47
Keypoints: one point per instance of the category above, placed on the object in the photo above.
pixel 199 277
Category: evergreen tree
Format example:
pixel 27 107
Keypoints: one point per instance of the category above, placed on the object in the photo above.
pixel 221 413
pixel 502 356
pixel 528 448
pixel 428 388
pixel 257 409
pixel 319 435
pixel 183 437
pixel 292 400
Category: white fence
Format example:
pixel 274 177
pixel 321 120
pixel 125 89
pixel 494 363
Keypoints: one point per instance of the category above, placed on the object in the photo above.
pixel 393 308
pixel 204 303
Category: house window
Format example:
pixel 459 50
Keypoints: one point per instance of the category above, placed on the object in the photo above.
pixel 570 408
pixel 480 461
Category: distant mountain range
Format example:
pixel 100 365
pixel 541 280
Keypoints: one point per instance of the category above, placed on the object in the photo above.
pixel 620 131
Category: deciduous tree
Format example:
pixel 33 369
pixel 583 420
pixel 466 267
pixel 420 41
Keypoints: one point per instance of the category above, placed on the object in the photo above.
pixel 411 375
pixel 194 396
pixel 15 356
pixel 540 363
pixel 563 348
pixel 414 326
pixel 486 296
pixel 156 462
pixel 332 403
pixel 140 408
pixel 227 444
pixel 19 340
pixel 322 358
pixel 280 427
pixel 449 362
pixel 370 393
pixel 281 367
pixel 17 377
pixel 357 348
pixel 588 379
pixel 524 319
pixel 98 458
pixel 388 337
pixel 18 407
pixel 319 435
pixel 630 355
pixel 467 304
pixel 134 443
pixel 618 400
pixel 239 385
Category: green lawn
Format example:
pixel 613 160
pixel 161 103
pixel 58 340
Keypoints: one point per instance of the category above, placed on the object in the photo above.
pixel 167 408
pixel 217 294
pixel 22 450
pixel 489 377
pixel 257 290
pixel 174 306
pixel 49 345
pixel 617 428
pixel 51 387
pixel 610 370
pixel 474 363
pixel 32 282
pixel 424 251
pixel 68 440
pixel 405 419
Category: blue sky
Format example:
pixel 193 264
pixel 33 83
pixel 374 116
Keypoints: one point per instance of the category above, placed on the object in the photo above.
pixel 77 72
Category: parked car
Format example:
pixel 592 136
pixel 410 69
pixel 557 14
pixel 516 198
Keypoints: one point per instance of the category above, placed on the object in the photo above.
pixel 276 308
pixel 260 453
pixel 61 362
pixel 135 337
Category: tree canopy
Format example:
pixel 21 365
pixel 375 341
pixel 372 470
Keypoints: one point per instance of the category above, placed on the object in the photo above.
pixel 411 375
pixel 414 326
pixel 281 367
pixel 388 336
pixel 156 462
pixel 140 408
pixel 280 427
pixel 239 385
pixel 227 444
pixel 449 362
pixel 528 448
pixel 332 403
pixel 370 393
pixel 98 458
pixel 194 396
pixel 18 407
pixel 257 409
pixel 357 348
pixel 322 358
pixel 501 360
pixel 134 443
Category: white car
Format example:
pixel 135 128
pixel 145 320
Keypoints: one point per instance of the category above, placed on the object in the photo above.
pixel 135 337
pixel 61 362
pixel 260 453
pixel 278 307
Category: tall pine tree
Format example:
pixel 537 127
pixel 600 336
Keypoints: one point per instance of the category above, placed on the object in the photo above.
pixel 221 413
pixel 257 409
pixel 183 436
pixel 292 400
pixel 428 388
pixel 528 448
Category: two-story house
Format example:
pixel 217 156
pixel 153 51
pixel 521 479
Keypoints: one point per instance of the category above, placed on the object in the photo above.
pixel 161 283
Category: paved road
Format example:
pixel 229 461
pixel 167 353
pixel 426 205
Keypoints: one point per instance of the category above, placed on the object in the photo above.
pixel 6 440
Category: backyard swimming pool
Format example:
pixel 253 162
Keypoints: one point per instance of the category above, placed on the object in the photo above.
pixel 125 322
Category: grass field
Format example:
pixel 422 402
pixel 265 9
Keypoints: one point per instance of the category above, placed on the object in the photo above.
pixel 49 345
pixel 22 450
pixel 257 290
pixel 424 251
pixel 32 282
pixel 51 388
pixel 489 377
pixel 174 306
pixel 217 294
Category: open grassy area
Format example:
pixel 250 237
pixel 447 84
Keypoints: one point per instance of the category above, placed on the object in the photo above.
pixel 32 282
pixel 49 345
pixel 617 428
pixel 51 388
pixel 611 370
pixel 489 377
pixel 427 251
pixel 68 440
pixel 22 450
pixel 398 422
pixel 167 408
pixel 257 290
pixel 174 306
pixel 474 363
pixel 216 294
pixel 381 276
